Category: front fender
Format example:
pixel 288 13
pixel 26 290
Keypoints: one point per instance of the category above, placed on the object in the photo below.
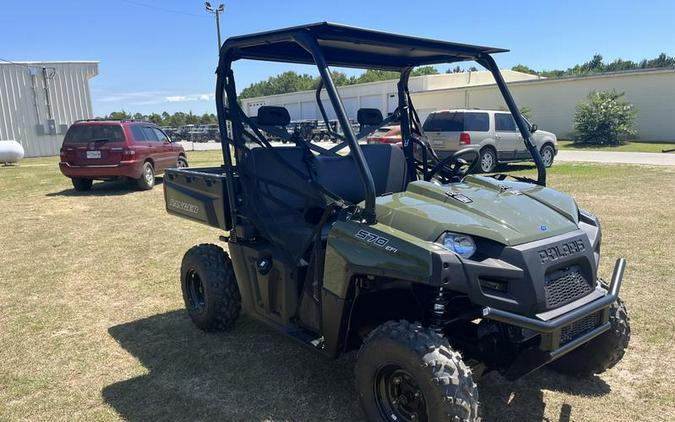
pixel 379 250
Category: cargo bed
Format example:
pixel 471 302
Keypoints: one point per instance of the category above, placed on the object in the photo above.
pixel 198 194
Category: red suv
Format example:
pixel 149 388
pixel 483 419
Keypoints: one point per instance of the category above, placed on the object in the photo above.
pixel 113 149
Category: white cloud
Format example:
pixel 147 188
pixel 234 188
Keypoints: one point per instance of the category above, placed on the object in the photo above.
pixel 149 98
pixel 190 97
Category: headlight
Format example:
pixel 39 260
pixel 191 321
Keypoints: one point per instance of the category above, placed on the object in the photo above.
pixel 461 244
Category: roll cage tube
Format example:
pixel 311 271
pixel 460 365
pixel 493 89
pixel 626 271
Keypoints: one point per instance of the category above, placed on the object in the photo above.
pixel 312 46
pixel 406 135
pixel 489 63
pixel 224 80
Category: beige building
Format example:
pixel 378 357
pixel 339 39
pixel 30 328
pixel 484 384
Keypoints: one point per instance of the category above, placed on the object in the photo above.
pixel 40 100
pixel 552 101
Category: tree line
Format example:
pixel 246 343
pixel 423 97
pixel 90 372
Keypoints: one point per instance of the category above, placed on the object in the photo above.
pixel 597 65
pixel 165 119
pixel 292 81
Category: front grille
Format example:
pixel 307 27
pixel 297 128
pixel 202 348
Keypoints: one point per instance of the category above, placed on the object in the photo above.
pixel 580 327
pixel 565 286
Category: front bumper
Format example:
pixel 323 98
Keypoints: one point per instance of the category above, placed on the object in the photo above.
pixel 131 169
pixel 550 329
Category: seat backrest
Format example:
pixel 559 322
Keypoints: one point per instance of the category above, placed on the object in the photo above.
pixel 339 174
pixel 281 183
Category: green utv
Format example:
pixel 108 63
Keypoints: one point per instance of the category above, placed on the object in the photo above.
pixel 433 274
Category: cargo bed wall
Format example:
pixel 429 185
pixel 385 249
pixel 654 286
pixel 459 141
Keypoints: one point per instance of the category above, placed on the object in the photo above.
pixel 198 194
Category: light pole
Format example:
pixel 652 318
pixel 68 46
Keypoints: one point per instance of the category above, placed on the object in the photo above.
pixel 216 12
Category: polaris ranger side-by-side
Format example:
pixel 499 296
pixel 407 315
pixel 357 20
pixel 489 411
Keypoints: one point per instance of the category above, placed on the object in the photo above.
pixel 433 274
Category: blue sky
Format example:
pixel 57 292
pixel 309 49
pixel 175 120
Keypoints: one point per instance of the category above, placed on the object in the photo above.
pixel 158 55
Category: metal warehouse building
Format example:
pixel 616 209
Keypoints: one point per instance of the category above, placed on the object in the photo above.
pixel 552 101
pixel 40 100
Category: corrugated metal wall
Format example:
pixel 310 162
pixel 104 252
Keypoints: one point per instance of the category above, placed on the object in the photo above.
pixel 23 105
pixel 553 101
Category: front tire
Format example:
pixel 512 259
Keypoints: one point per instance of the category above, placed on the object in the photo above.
pixel 82 185
pixel 601 353
pixel 147 179
pixel 209 288
pixel 488 160
pixel 405 372
pixel 547 155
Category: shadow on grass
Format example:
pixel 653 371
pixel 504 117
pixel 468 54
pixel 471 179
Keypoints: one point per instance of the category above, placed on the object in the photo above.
pixel 106 188
pixel 253 373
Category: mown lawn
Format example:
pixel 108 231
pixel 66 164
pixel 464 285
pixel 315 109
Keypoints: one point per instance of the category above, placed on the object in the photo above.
pixel 92 325
pixel 627 147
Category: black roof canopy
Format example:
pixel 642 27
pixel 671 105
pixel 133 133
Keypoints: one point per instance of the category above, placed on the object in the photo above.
pixel 347 46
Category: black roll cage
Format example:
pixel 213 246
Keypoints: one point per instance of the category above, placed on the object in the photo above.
pixel 349 47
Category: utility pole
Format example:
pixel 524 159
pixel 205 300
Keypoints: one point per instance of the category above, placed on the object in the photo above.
pixel 216 12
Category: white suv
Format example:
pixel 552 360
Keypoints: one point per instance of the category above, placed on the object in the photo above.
pixel 493 133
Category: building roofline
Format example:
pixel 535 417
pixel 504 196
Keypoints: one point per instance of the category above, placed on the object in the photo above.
pixel 621 73
pixel 34 62
pixel 373 83
pixel 540 79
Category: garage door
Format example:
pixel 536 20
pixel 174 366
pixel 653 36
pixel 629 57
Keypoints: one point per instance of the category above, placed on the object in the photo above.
pixel 372 101
pixel 293 110
pixel 309 111
pixel 351 106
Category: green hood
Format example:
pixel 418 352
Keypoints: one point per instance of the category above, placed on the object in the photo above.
pixel 507 212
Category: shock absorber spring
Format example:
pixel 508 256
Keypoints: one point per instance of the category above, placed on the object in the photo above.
pixel 439 309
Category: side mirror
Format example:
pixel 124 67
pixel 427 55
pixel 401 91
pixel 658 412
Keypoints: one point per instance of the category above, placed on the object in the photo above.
pixel 369 117
pixel 533 128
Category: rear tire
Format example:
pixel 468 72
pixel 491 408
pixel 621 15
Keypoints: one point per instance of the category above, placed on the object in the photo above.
pixel 405 372
pixel 147 179
pixel 488 160
pixel 209 288
pixel 601 353
pixel 181 162
pixel 547 154
pixel 82 185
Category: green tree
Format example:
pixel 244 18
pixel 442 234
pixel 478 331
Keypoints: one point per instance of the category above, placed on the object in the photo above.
pixel 119 115
pixel 424 70
pixel 208 119
pixel 156 119
pixel 138 116
pixel 191 119
pixel 524 69
pixel 597 65
pixel 606 119
pixel 339 79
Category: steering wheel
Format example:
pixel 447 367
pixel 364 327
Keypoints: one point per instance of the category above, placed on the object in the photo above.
pixel 456 165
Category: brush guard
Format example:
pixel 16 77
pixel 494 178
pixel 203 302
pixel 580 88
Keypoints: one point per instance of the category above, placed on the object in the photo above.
pixel 564 333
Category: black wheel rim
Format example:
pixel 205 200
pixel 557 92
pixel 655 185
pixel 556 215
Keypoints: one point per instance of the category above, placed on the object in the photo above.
pixel 195 292
pixel 398 396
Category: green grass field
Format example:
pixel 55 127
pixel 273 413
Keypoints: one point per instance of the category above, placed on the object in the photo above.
pixel 92 325
pixel 627 147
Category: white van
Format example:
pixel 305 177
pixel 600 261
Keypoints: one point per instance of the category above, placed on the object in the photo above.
pixel 493 133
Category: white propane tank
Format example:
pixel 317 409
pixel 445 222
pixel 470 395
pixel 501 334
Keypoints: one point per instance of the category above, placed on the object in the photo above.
pixel 10 152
